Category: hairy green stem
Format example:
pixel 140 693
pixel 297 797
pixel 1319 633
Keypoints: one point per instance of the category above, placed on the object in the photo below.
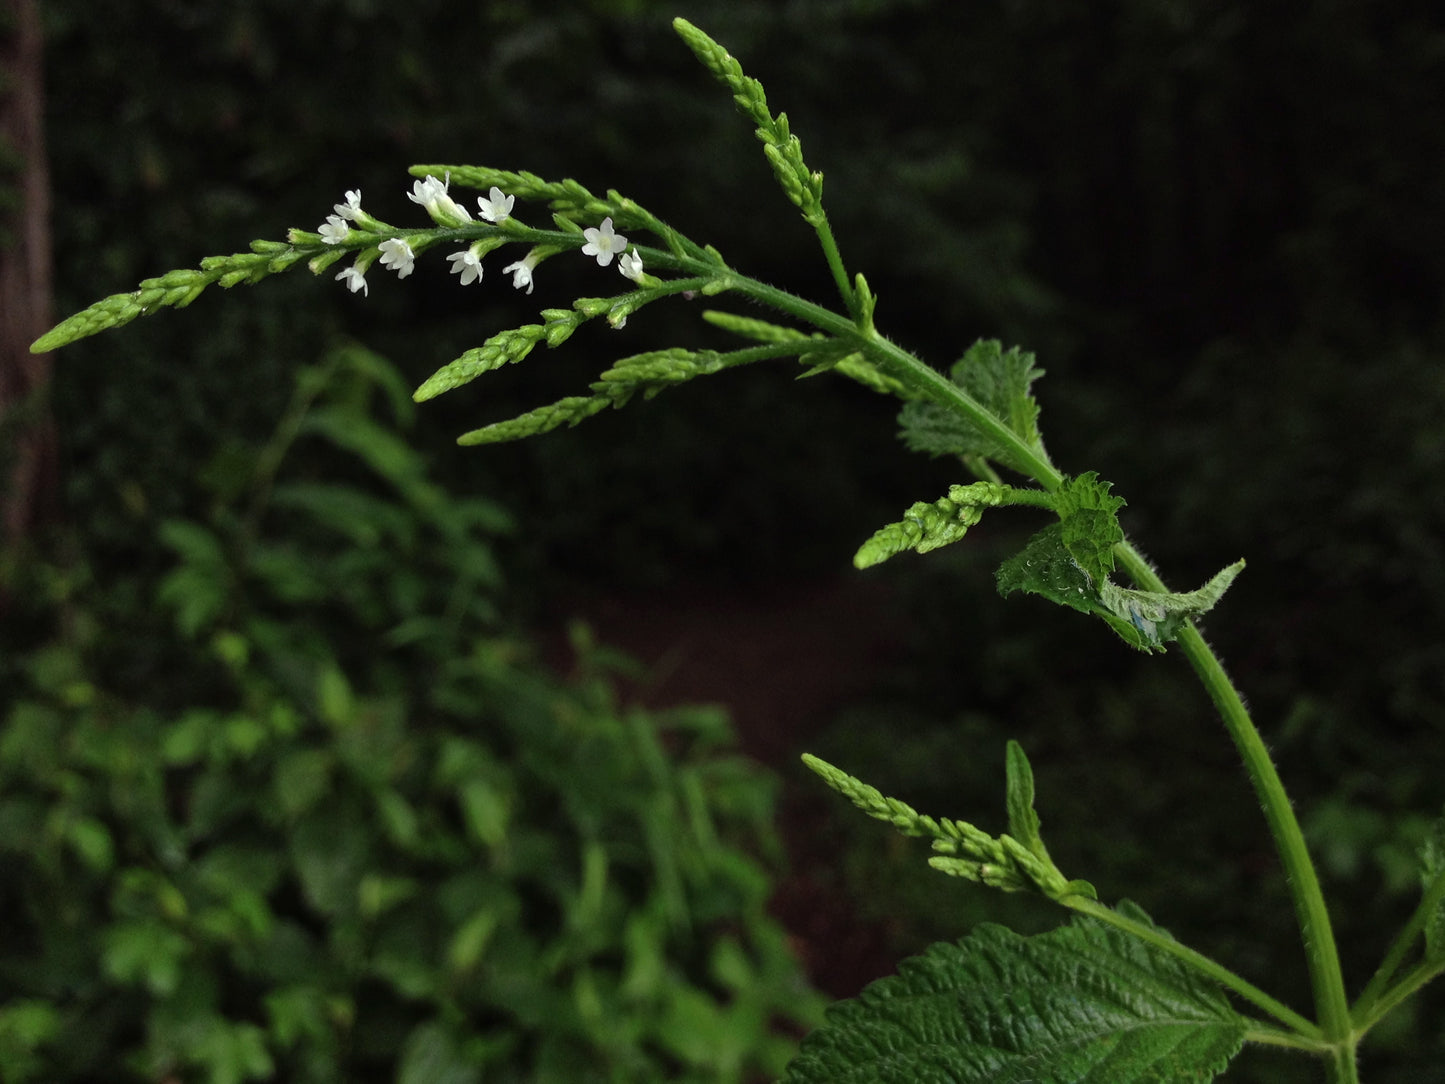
pixel 1321 952
pixel 835 261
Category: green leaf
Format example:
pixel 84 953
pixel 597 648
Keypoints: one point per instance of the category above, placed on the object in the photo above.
pixel 1000 381
pixel 1083 1004
pixel 1145 620
pixel 1156 617
pixel 1090 518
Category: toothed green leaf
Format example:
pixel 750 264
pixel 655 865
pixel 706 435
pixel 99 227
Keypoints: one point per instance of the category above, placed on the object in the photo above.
pixel 1090 520
pixel 1000 380
pixel 1146 620
pixel 1083 1004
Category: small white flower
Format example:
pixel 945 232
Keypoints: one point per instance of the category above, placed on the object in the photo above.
pixel 334 230
pixel 352 207
pixel 522 271
pixel 630 264
pixel 397 254
pixel 354 278
pixel 468 264
pixel 432 195
pixel 499 207
pixel 603 242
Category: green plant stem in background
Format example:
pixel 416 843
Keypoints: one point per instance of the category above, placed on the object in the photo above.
pixel 1378 997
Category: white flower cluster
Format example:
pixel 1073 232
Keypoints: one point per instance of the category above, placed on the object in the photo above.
pixel 396 253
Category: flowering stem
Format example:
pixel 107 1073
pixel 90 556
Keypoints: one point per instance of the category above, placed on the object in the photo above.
pixel 819 222
pixel 1310 911
pixel 1321 951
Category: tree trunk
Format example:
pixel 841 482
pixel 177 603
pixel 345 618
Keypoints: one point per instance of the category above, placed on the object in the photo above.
pixel 28 462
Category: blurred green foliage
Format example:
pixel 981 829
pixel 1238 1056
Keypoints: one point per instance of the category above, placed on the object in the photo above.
pixel 354 832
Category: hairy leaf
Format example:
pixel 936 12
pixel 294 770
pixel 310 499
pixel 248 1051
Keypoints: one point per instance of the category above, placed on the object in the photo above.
pixel 1146 620
pixel 1090 520
pixel 999 379
pixel 1083 1004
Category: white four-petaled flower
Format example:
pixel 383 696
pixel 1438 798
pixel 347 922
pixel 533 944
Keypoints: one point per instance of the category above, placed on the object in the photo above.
pixel 468 264
pixel 432 195
pixel 351 207
pixel 354 278
pixel 397 254
pixel 630 264
pixel 497 208
pixel 334 230
pixel 603 242
pixel 521 271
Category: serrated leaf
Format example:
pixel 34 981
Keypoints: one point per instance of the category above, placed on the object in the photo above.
pixel 1000 380
pixel 1146 620
pixel 1090 519
pixel 1083 1004
pixel 1157 616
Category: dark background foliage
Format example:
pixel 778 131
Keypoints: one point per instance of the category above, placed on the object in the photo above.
pixel 1219 225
